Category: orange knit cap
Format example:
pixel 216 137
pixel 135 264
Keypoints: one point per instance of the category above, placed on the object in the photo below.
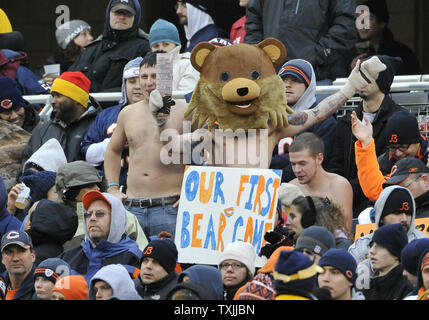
pixel 269 266
pixel 72 287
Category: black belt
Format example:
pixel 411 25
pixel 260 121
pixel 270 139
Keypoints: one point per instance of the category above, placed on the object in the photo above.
pixel 150 202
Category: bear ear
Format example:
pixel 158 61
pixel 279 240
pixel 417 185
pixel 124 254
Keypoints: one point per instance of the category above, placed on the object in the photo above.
pixel 200 53
pixel 275 49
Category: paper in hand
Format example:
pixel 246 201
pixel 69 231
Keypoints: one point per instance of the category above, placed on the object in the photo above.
pixel 164 73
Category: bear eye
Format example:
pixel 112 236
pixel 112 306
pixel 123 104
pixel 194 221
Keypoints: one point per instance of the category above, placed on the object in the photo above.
pixel 255 75
pixel 225 76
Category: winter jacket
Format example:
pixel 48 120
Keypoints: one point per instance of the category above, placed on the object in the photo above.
pixel 207 276
pixel 317 31
pixel 26 290
pixel 422 205
pixel 392 286
pixel 7 221
pixel 32 118
pixel 373 171
pixel 157 290
pixel 117 277
pixel 69 136
pixel 27 82
pixel 104 59
pixel 205 34
pixel 238 31
pixel 118 248
pixel 52 224
pixel 360 248
pixel 390 47
pixel 342 160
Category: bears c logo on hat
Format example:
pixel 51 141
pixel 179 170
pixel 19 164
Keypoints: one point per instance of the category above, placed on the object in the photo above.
pixel 6 104
pixel 12 235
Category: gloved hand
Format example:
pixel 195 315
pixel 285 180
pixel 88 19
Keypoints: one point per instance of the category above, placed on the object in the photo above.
pixel 362 74
pixel 160 105
pixel 273 237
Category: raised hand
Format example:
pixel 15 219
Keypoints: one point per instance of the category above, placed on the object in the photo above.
pixel 362 130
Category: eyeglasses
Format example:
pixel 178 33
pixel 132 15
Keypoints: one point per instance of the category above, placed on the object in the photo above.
pixel 234 265
pixel 412 181
pixel 98 214
pixel 402 148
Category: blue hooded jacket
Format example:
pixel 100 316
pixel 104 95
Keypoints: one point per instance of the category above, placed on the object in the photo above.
pixel 7 221
pixel 207 276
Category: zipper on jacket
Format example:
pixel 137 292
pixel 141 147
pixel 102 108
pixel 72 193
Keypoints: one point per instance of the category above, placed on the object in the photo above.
pixel 297 6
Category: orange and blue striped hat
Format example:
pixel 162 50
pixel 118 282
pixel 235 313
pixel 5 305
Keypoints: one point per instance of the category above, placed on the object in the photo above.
pixel 297 68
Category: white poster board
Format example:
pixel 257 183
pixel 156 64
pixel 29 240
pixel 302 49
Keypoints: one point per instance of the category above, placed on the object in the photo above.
pixel 222 205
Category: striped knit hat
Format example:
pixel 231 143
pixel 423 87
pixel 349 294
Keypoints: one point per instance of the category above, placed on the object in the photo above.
pixel 74 85
pixel 297 68
pixel 52 269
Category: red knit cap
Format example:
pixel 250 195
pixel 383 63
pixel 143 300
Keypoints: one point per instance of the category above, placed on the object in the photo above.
pixel 74 85
pixel 72 287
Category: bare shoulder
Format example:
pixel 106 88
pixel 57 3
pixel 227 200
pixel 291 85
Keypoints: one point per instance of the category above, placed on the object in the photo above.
pixel 338 181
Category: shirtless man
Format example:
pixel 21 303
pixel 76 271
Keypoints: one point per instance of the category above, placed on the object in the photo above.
pixel 306 157
pixel 153 188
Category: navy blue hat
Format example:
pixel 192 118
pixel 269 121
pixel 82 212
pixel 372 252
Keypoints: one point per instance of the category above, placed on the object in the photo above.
pixel 10 97
pixel 52 269
pixel 20 238
pixel 402 128
pixel 341 260
pixel 163 31
pixel 39 183
pixel 164 251
pixel 392 237
pixel 295 270
pixel 411 253
pixel 297 68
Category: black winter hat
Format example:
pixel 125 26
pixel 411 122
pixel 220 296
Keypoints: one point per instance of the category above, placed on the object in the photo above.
pixel 392 237
pixel 411 253
pixel 385 78
pixel 402 128
pixel 399 201
pixel 379 9
pixel 164 251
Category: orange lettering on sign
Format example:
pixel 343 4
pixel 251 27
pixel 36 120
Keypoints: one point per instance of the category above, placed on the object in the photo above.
pixel 222 225
pixel 243 179
pixel 196 242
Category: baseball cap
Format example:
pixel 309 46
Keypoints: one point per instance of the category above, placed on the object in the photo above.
pixel 127 5
pixel 93 195
pixel 403 168
pixel 20 238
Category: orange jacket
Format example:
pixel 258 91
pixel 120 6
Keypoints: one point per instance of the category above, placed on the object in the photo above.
pixel 370 177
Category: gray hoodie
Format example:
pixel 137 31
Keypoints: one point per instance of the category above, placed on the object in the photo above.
pixel 360 248
pixel 117 277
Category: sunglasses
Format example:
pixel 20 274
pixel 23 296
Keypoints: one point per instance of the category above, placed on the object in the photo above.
pixel 98 214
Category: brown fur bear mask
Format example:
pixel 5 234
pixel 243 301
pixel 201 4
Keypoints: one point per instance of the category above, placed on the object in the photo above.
pixel 239 87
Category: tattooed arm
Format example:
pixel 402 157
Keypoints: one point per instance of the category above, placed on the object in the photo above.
pixel 301 121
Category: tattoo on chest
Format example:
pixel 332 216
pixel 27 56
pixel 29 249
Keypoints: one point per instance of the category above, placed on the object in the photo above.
pixel 297 119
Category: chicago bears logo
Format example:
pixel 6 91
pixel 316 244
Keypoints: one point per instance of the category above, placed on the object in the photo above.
pixel 393 138
pixel 405 206
pixel 6 104
pixel 349 274
pixel 148 250
pixel 12 235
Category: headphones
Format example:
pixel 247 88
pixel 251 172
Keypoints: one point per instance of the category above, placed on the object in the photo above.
pixel 308 217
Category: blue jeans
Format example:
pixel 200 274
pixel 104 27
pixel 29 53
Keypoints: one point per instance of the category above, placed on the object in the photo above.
pixel 156 219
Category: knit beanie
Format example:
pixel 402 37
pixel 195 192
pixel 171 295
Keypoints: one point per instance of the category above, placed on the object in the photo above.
pixel 316 239
pixel 341 260
pixel 260 288
pixel 10 96
pixel 391 237
pixel 411 252
pixel 164 251
pixel 295 270
pixel 402 128
pixel 385 78
pixel 298 69
pixel 423 261
pixel 163 31
pixel 74 85
pixel 72 287
pixel 70 30
pixel 52 269
pixel 399 201
pixel 379 9
pixel 39 183
pixel 242 252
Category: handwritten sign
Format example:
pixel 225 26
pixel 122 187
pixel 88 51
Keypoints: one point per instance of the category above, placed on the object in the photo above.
pixel 421 224
pixel 164 73
pixel 223 205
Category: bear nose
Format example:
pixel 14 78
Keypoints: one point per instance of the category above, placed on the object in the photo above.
pixel 242 91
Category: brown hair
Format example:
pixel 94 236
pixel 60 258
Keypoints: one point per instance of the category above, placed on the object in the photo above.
pixel 307 140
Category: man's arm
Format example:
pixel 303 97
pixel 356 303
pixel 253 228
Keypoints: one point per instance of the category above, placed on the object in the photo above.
pixel 344 197
pixel 112 159
pixel 362 75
